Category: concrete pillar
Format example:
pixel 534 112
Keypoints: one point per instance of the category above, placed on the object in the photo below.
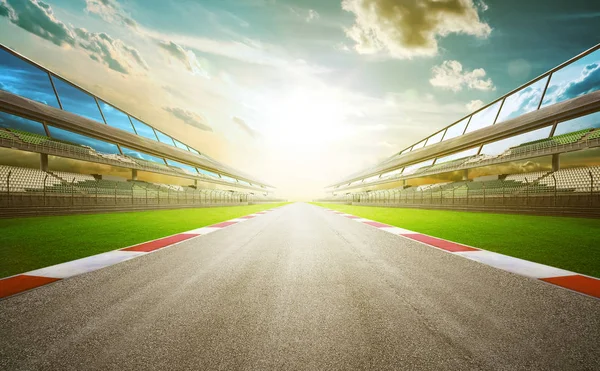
pixel 465 174
pixel 403 183
pixel 196 183
pixel 133 174
pixel 555 162
pixel 43 161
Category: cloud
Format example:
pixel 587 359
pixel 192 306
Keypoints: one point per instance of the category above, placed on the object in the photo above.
pixel 189 118
pixel 110 11
pixel 245 127
pixel 587 82
pixel 474 105
pixel 37 17
pixel 187 57
pixel 110 52
pixel 312 15
pixel 410 28
pixel 450 75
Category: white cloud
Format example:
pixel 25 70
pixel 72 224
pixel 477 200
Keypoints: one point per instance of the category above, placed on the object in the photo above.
pixel 241 123
pixel 474 105
pixel 410 28
pixel 312 15
pixel 110 11
pixel 189 117
pixel 450 75
pixel 187 57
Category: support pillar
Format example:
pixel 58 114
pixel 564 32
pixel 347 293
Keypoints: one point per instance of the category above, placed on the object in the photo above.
pixel 44 161
pixel 465 175
pixel 133 174
pixel 196 183
pixel 555 162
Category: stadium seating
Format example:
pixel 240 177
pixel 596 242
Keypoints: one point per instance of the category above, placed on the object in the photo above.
pixel 576 179
pixel 24 179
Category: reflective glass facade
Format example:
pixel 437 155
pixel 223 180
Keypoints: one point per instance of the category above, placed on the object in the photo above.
pixel 435 138
pixel 189 169
pixel 578 78
pixel 141 155
pixel 457 129
pixel 23 78
pixel 143 130
pixel 164 138
pixel 591 121
pixel 180 145
pixel 96 144
pixel 458 155
pixel 498 147
pixel 8 121
pixel 523 101
pixel 413 168
pixel 77 101
pixel 206 172
pixel 484 118
pixel 115 118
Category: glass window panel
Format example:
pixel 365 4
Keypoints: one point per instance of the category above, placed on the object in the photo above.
pixel 576 79
pixel 435 138
pixel 164 138
pixel 9 121
pixel 523 101
pixel 496 148
pixel 226 178
pixel 193 150
pixel 406 150
pixel 23 78
pixel 180 145
pixel 484 117
pixel 98 145
pixel 591 121
pixel 77 101
pixel 457 129
pixel 206 172
pixel 421 144
pixel 116 118
pixel 458 155
pixel 142 155
pixel 187 168
pixel 392 173
pixel 413 168
pixel 143 129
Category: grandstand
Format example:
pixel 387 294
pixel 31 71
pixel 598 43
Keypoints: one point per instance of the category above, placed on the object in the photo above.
pixel 545 155
pixel 92 153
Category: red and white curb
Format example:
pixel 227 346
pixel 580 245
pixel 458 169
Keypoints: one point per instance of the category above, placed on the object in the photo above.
pixel 39 277
pixel 556 276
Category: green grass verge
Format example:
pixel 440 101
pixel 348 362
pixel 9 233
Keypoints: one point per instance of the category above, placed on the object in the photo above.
pixel 32 243
pixel 568 243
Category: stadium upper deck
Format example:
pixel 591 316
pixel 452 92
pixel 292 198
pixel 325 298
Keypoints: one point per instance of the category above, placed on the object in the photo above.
pixel 554 113
pixel 42 112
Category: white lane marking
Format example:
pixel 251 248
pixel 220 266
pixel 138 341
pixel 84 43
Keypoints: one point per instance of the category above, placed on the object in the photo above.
pixel 514 265
pixel 362 220
pixel 237 220
pixel 85 265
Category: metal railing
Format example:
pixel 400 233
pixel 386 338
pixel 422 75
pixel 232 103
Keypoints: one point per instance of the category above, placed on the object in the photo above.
pixel 531 193
pixel 54 192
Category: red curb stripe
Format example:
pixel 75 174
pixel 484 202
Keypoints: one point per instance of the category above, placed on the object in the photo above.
pixel 583 284
pixel 247 217
pixel 352 217
pixel 260 212
pixel 377 224
pixel 439 243
pixel 16 284
pixel 159 244
pixel 222 225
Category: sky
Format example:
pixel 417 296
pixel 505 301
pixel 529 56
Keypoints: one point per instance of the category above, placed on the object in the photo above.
pixel 299 93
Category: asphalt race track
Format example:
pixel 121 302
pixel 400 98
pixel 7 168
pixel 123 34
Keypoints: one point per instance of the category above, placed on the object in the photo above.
pixel 299 289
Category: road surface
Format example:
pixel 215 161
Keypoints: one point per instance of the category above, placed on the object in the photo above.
pixel 299 289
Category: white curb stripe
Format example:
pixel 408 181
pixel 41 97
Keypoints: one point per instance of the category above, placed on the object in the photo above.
pixel 514 265
pixel 84 265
